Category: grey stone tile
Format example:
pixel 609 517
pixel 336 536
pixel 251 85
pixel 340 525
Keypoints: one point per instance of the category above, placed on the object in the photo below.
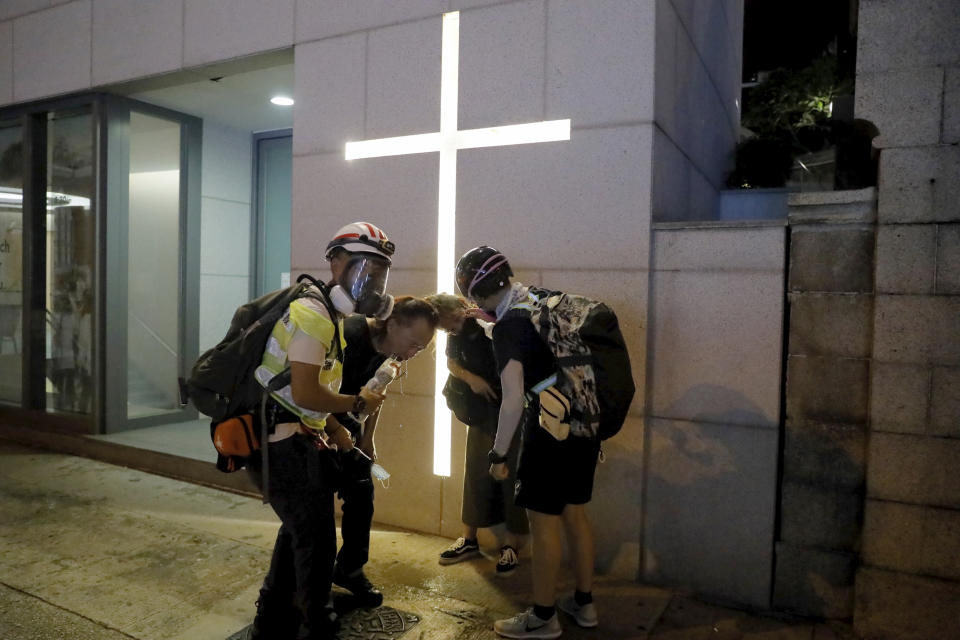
pixel 320 20
pixel 906 258
pixel 826 389
pixel 951 106
pixel 831 324
pixel 62 64
pixel 216 30
pixel 919 185
pixel 906 34
pixel 948 258
pixel 832 259
pixel 896 605
pixel 917 329
pixel 14 8
pixel 822 517
pixel 945 402
pixel 710 502
pixel 911 538
pixel 899 397
pixel 6 62
pixel 914 469
pixel 827 455
pixel 904 105
pixel 813 582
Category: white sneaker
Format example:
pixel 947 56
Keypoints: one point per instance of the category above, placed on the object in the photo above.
pixel 528 625
pixel 585 615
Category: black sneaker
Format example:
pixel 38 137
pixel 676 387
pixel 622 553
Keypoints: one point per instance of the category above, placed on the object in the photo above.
pixel 274 622
pixel 508 561
pixel 362 589
pixel 459 551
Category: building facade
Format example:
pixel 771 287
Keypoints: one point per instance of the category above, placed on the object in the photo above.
pixel 696 490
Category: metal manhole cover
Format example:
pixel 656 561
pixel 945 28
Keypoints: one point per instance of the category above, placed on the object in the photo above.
pixel 382 623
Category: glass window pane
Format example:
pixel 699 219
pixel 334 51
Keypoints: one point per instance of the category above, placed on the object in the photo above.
pixel 70 262
pixel 153 323
pixel 11 261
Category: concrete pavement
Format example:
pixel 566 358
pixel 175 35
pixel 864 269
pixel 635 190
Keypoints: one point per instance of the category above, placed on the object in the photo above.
pixel 92 551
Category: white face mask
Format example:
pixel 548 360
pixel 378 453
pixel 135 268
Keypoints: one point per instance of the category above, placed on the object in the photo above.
pixel 341 300
pixel 343 303
pixel 380 474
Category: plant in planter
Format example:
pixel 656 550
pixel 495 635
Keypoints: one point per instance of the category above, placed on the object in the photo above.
pixel 789 114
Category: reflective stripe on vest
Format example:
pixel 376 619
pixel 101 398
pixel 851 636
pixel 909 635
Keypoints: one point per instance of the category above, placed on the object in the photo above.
pixel 275 361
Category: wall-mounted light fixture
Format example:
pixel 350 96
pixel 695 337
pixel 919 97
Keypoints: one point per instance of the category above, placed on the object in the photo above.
pixel 447 142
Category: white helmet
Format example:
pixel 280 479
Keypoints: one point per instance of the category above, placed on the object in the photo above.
pixel 362 237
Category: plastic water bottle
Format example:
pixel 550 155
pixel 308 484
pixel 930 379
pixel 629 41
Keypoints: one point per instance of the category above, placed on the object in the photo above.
pixel 386 373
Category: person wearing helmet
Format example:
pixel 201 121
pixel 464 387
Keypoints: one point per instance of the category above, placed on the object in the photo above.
pixel 554 477
pixel 302 449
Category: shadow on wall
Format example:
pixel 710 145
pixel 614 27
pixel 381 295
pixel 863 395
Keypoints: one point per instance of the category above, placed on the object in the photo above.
pixel 821 518
pixel 711 495
pixel 615 508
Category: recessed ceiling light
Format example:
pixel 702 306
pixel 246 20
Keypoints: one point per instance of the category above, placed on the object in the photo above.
pixel 283 101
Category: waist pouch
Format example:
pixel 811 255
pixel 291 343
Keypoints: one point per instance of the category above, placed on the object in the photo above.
pixel 555 413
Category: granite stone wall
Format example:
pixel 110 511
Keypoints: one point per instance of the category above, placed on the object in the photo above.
pixel 830 316
pixel 908 581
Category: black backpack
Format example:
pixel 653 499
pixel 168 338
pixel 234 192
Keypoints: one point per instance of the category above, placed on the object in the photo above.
pixel 222 383
pixel 593 366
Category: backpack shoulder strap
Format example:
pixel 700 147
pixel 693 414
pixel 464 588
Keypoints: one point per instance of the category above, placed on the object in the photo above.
pixel 324 299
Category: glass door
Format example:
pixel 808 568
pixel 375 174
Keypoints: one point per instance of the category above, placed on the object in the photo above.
pixel 11 260
pixel 70 262
pixel 152 160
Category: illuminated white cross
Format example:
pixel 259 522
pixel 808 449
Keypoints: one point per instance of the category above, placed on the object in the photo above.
pixel 447 141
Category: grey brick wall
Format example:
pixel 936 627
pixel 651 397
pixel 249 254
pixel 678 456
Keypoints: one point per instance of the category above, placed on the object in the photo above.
pixel 908 85
pixel 829 348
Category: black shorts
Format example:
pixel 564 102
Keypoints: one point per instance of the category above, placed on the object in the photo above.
pixel 552 473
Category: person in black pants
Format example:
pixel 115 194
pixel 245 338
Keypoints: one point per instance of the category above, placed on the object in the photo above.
pixel 369 342
pixel 305 439
pixel 554 477
pixel 407 331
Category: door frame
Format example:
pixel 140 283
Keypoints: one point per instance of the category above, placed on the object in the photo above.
pixel 258 219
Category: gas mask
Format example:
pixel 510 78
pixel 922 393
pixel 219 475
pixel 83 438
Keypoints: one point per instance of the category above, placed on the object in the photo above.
pixel 361 286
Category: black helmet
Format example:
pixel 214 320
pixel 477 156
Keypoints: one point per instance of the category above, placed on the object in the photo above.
pixel 482 271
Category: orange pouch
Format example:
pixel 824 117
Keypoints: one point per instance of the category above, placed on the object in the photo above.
pixel 236 436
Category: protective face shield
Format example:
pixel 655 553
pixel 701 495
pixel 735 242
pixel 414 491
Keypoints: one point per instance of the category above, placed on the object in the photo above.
pixel 362 285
